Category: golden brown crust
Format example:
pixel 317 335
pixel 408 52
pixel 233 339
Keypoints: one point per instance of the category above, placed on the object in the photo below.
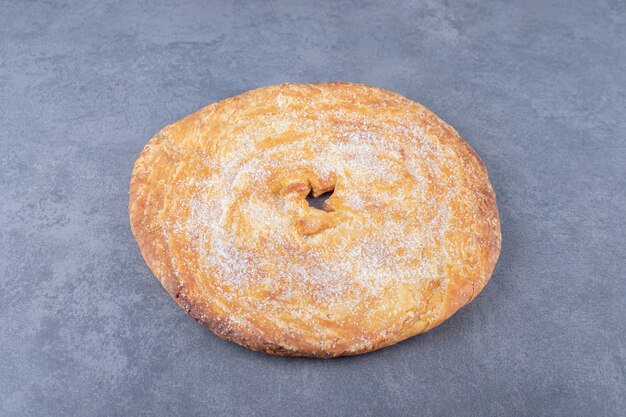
pixel 410 234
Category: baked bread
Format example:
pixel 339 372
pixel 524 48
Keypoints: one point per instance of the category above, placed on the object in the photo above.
pixel 409 235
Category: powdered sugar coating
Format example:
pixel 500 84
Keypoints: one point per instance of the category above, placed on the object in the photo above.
pixel 409 235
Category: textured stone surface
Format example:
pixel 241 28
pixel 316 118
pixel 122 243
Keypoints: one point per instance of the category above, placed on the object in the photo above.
pixel 537 88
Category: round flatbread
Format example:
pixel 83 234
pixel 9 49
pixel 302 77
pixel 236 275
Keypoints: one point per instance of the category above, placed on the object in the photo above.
pixel 410 233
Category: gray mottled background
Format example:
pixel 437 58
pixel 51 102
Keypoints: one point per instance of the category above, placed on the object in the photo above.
pixel 537 88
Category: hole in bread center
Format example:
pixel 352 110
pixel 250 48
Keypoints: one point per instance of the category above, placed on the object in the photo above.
pixel 318 202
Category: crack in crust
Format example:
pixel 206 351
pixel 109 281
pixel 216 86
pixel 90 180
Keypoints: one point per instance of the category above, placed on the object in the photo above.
pixel 410 235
